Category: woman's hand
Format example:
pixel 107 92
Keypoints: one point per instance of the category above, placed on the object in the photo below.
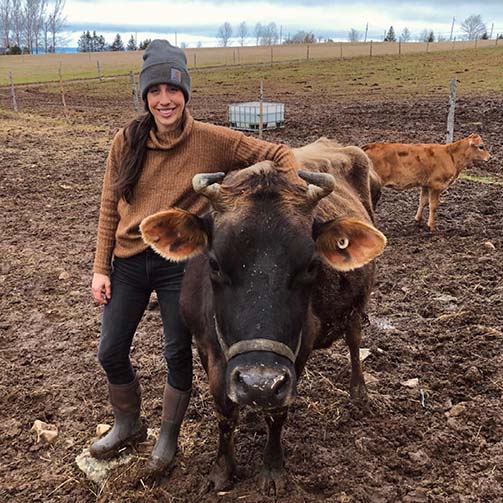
pixel 101 287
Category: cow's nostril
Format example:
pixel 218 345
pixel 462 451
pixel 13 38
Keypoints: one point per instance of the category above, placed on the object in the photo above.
pixel 280 384
pixel 237 378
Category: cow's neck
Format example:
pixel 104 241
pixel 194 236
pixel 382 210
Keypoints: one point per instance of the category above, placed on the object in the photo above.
pixel 458 151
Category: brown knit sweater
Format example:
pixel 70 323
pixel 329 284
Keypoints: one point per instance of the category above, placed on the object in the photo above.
pixel 172 159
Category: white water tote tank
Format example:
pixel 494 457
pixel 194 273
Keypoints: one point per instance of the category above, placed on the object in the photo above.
pixel 246 116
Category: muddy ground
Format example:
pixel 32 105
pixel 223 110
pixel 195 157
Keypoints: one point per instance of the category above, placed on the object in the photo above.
pixel 436 315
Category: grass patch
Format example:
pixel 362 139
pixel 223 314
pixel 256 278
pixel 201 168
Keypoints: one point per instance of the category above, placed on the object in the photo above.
pixel 420 73
pixel 380 77
pixel 487 179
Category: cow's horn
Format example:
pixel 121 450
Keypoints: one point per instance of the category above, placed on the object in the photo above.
pixel 207 184
pixel 320 184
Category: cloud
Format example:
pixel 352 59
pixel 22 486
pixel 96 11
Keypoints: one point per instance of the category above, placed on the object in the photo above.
pixel 325 18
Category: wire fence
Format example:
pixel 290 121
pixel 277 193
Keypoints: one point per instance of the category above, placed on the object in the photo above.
pixel 46 68
pixel 82 103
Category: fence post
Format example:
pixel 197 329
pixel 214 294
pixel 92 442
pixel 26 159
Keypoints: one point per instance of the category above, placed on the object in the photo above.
pixel 260 109
pixel 307 52
pixel 475 43
pixel 340 50
pixel 450 116
pixel 271 56
pixel 371 48
pixel 62 91
pixel 99 70
pixel 134 92
pixel 195 61
pixel 13 92
pixel 428 46
pixel 234 57
pixel 399 47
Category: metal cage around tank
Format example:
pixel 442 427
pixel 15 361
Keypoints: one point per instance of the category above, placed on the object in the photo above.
pixel 246 116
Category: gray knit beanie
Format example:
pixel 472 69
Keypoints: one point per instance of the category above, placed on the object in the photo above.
pixel 164 63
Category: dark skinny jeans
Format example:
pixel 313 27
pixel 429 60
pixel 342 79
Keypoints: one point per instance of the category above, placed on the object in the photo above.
pixel 133 280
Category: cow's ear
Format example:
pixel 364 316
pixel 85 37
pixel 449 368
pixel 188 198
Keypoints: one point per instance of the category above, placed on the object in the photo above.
pixel 348 243
pixel 175 234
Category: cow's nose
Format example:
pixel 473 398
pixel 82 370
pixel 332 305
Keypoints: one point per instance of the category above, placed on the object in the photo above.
pixel 262 386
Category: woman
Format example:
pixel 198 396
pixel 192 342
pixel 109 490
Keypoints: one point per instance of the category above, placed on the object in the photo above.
pixel 150 168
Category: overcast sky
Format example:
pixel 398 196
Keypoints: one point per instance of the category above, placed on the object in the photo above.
pixel 198 20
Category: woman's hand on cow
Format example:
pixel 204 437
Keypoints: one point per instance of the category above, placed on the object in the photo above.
pixel 101 287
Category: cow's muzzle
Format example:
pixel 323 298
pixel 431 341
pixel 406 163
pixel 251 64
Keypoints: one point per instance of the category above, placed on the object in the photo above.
pixel 260 372
pixel 261 379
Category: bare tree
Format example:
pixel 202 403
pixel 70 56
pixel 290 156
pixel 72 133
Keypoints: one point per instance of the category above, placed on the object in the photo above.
pixel 302 37
pixel 5 22
pixel 56 21
pixel 258 33
pixel 405 35
pixel 39 23
pixel 354 35
pixel 33 12
pixel 269 34
pixel 224 34
pixel 473 26
pixel 242 32
pixel 17 23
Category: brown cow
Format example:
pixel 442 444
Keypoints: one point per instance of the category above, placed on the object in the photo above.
pixel 433 167
pixel 278 269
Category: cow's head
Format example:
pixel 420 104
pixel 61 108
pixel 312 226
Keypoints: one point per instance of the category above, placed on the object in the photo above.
pixel 477 150
pixel 263 250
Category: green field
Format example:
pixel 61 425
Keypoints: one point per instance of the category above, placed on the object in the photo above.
pixel 477 70
pixel 355 58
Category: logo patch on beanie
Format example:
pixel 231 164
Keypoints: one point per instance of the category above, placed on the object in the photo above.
pixel 176 75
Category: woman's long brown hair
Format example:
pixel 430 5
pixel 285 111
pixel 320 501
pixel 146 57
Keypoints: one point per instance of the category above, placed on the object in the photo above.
pixel 136 135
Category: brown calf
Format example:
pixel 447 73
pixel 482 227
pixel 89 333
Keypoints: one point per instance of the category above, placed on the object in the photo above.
pixel 429 166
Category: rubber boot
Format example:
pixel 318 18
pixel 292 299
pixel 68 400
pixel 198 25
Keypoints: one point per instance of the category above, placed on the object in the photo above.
pixel 128 428
pixel 174 405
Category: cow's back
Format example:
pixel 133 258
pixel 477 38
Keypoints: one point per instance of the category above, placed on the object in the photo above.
pixel 339 298
pixel 402 166
pixel 350 167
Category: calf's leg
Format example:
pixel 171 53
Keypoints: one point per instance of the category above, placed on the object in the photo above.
pixel 423 201
pixel 273 479
pixel 434 200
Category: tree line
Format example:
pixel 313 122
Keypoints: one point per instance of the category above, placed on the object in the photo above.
pixel 473 28
pixel 96 43
pixel 30 26
pixel 263 34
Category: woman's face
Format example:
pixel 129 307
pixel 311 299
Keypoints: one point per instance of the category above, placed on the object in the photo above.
pixel 166 103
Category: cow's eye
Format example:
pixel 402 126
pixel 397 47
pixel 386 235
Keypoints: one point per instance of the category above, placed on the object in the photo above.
pixel 481 147
pixel 214 265
pixel 217 275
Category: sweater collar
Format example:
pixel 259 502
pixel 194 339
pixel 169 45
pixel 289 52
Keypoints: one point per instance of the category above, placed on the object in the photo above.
pixel 170 139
